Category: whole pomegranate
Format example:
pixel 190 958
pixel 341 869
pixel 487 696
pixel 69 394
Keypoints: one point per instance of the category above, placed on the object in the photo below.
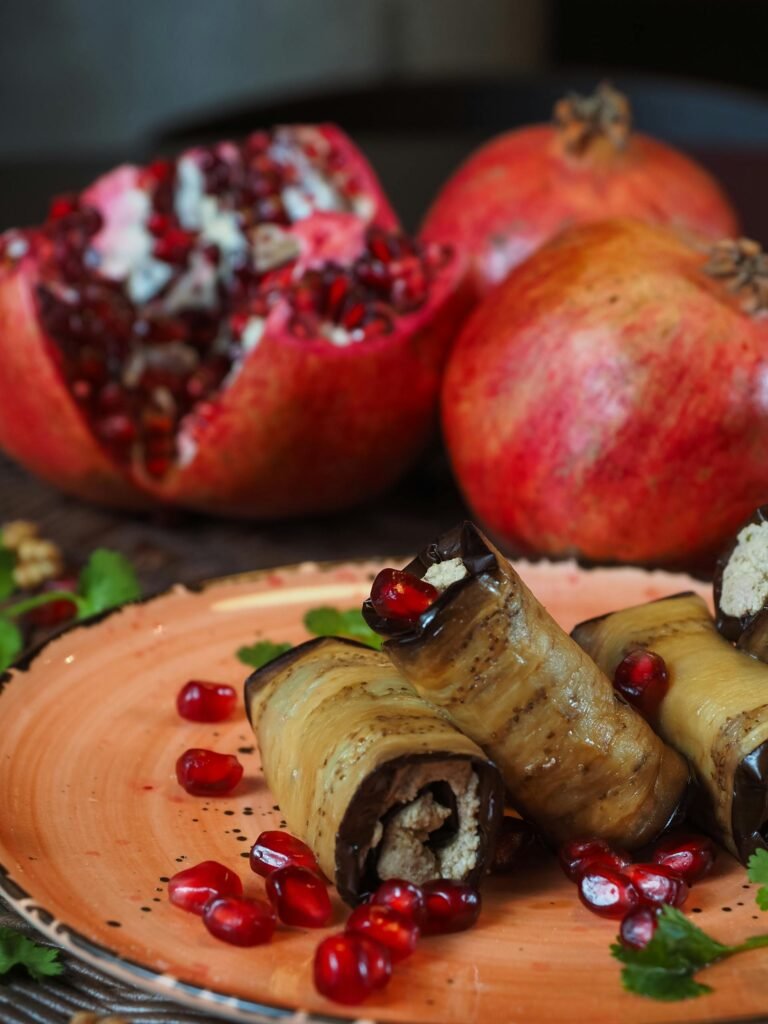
pixel 522 188
pixel 610 398
pixel 242 330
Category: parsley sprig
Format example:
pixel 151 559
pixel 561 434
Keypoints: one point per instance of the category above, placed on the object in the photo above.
pixel 757 871
pixel 18 951
pixel 665 969
pixel 107 580
pixel 317 622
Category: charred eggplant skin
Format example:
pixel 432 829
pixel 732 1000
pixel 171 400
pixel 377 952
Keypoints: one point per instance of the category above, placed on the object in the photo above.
pixel 731 626
pixel 421 733
pixel 576 759
pixel 715 712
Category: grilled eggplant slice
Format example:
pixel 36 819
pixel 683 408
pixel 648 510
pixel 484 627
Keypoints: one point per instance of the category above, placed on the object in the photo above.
pixel 715 711
pixel 576 759
pixel 372 777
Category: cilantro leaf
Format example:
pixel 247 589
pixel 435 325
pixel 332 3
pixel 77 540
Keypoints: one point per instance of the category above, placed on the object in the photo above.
pixel 7 565
pixel 11 643
pixel 107 580
pixel 261 653
pixel 757 871
pixel 349 624
pixel 665 968
pixel 17 950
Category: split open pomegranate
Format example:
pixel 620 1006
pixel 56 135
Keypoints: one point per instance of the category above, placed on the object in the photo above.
pixel 243 330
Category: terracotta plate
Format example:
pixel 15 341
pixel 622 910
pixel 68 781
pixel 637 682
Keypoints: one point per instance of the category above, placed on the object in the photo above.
pixel 92 822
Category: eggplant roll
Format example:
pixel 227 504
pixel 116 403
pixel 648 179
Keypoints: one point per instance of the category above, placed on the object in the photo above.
pixel 715 711
pixel 376 781
pixel 576 759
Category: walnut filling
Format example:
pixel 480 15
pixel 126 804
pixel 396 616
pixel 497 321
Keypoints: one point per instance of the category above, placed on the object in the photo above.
pixel 442 574
pixel 745 577
pixel 406 841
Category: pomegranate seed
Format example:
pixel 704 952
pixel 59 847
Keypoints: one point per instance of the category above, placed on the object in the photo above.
pixel 383 246
pixel 514 839
pixel 400 595
pixel 385 926
pixel 117 429
pixel 55 612
pixel 607 893
pixel 348 968
pixel 579 855
pixel 658 883
pixel 637 927
pixel 206 702
pixel 690 857
pixel 642 678
pixel 300 897
pixel 275 850
pixel 449 906
pixel 192 888
pixel 404 898
pixel 174 246
pixel 240 922
pixel 62 206
pixel 205 773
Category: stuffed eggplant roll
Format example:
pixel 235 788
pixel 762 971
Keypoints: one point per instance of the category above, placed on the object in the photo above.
pixel 469 635
pixel 372 777
pixel 715 710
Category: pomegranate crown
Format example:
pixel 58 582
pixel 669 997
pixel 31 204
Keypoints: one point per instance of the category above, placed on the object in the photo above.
pixel 604 114
pixel 742 266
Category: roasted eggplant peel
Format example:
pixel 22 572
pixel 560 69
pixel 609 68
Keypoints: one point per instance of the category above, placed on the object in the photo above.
pixel 715 711
pixel 741 587
pixel 377 781
pixel 576 759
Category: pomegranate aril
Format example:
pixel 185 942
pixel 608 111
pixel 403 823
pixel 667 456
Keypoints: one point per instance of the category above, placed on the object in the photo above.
pixel 118 429
pixel 193 888
pixel 384 925
pixel 240 922
pixel 63 206
pixel 657 883
pixel 54 613
pixel 349 968
pixel 274 850
pixel 449 907
pixel 578 855
pixel 300 897
pixel 174 246
pixel 206 702
pixel 401 595
pixel 383 246
pixel 690 857
pixel 608 893
pixel 405 898
pixel 642 679
pixel 203 772
pixel 637 927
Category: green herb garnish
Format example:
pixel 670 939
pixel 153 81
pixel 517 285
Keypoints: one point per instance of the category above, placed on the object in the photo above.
pixel 349 624
pixel 665 968
pixel 7 565
pixel 757 871
pixel 106 581
pixel 17 950
pixel 262 652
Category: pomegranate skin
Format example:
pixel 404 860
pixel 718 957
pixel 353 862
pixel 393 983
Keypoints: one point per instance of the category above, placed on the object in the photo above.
pixel 303 426
pixel 522 188
pixel 609 401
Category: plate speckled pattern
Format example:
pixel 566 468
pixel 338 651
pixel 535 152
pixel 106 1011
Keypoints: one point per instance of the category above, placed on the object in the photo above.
pixel 92 823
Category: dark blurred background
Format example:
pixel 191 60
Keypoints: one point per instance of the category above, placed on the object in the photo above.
pixel 87 83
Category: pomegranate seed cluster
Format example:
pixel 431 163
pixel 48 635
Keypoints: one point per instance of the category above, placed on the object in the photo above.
pixel 612 886
pixel 156 283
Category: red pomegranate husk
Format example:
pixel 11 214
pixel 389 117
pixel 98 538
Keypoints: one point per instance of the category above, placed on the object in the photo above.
pixel 303 425
pixel 608 399
pixel 525 186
